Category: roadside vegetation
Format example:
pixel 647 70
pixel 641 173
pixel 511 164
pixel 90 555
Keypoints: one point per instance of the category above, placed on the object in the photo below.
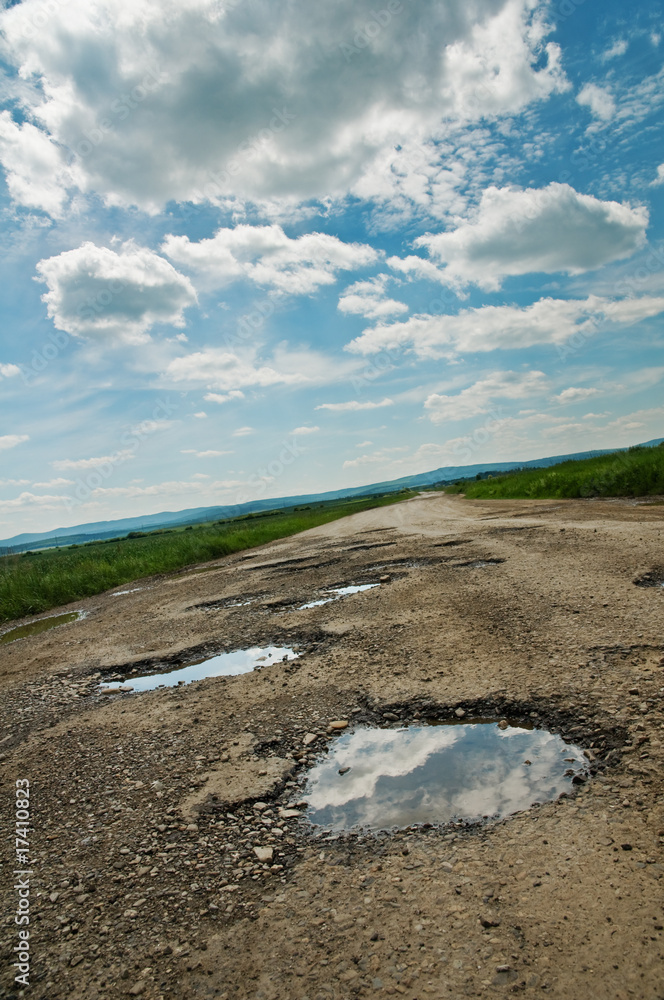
pixel 638 472
pixel 33 582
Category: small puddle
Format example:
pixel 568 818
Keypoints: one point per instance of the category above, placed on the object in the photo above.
pixel 337 593
pixel 120 593
pixel 241 661
pixel 41 625
pixel 381 779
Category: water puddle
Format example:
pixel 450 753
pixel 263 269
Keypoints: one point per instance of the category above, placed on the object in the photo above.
pixel 241 661
pixel 120 593
pixel 41 625
pixel 477 563
pixel 381 779
pixel 337 594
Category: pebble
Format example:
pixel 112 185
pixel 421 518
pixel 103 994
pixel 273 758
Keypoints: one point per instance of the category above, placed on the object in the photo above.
pixel 264 853
pixel 338 724
pixel 460 712
pixel 503 724
pixel 308 739
pixel 137 989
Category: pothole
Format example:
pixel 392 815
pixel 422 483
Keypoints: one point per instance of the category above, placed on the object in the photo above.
pixel 652 578
pixel 337 593
pixel 434 774
pixel 477 563
pixel 121 593
pixel 40 625
pixel 240 661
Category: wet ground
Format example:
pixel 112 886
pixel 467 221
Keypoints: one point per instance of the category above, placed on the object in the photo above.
pixel 173 853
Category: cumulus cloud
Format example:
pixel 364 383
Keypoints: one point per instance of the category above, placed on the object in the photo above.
pixel 9 371
pixel 369 299
pixel 619 48
pixel 488 328
pixel 354 405
pixel 192 100
pixel 12 440
pixel 98 292
pixel 37 176
pixel 65 464
pixel 304 430
pixel 575 394
pixel 204 454
pixel 49 502
pixel 220 369
pixel 521 231
pixel 660 175
pixel 598 99
pixel 266 256
pixel 477 398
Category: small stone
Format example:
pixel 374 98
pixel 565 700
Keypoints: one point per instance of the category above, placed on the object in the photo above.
pixel 634 690
pixel 157 786
pixel 309 739
pixel 139 784
pixel 527 762
pixel 137 988
pixel 489 922
pixel 264 853
pixel 338 724
pixel 260 806
pixel 503 724
pixel 447 867
pixel 460 712
pixel 390 716
pixel 385 578
pixel 626 847
pixel 344 770
pixel 54 896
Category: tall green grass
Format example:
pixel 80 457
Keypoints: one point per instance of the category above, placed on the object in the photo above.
pixel 633 473
pixel 37 581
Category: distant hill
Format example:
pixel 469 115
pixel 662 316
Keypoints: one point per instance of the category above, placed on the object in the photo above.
pixel 81 533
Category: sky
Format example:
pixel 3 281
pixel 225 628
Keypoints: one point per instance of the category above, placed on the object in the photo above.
pixel 257 248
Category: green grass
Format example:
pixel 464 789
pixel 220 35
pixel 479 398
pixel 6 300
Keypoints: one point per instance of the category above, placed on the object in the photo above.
pixel 37 581
pixel 634 473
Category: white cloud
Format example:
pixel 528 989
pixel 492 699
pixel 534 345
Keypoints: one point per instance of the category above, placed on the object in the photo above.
pixel 12 440
pixel 33 500
pixel 354 405
pixel 660 175
pixel 477 398
pixel 266 256
pixel 364 444
pixel 64 464
pixel 599 100
pixel 52 483
pixel 9 371
pixel 37 176
pixel 243 432
pixel 201 415
pixel 223 397
pixel 304 430
pixel 97 292
pixel 162 100
pixel 220 369
pixel 619 48
pixel 368 298
pixel 575 395
pixel 489 328
pixel 204 454
pixel 516 231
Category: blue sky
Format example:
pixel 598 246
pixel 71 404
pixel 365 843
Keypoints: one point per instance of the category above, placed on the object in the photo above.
pixel 252 248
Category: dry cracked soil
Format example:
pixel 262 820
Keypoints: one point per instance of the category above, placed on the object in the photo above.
pixel 168 856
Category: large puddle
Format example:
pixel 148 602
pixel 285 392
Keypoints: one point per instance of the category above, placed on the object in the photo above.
pixel 381 779
pixel 41 625
pixel 241 661
pixel 337 594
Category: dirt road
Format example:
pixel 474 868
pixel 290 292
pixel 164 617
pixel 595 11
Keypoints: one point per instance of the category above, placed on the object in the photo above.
pixel 167 860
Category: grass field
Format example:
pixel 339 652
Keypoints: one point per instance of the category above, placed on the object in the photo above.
pixel 634 473
pixel 37 581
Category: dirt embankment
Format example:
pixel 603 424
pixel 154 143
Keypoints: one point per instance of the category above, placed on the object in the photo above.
pixel 166 860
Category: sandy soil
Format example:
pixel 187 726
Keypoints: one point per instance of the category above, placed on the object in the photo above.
pixel 147 808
